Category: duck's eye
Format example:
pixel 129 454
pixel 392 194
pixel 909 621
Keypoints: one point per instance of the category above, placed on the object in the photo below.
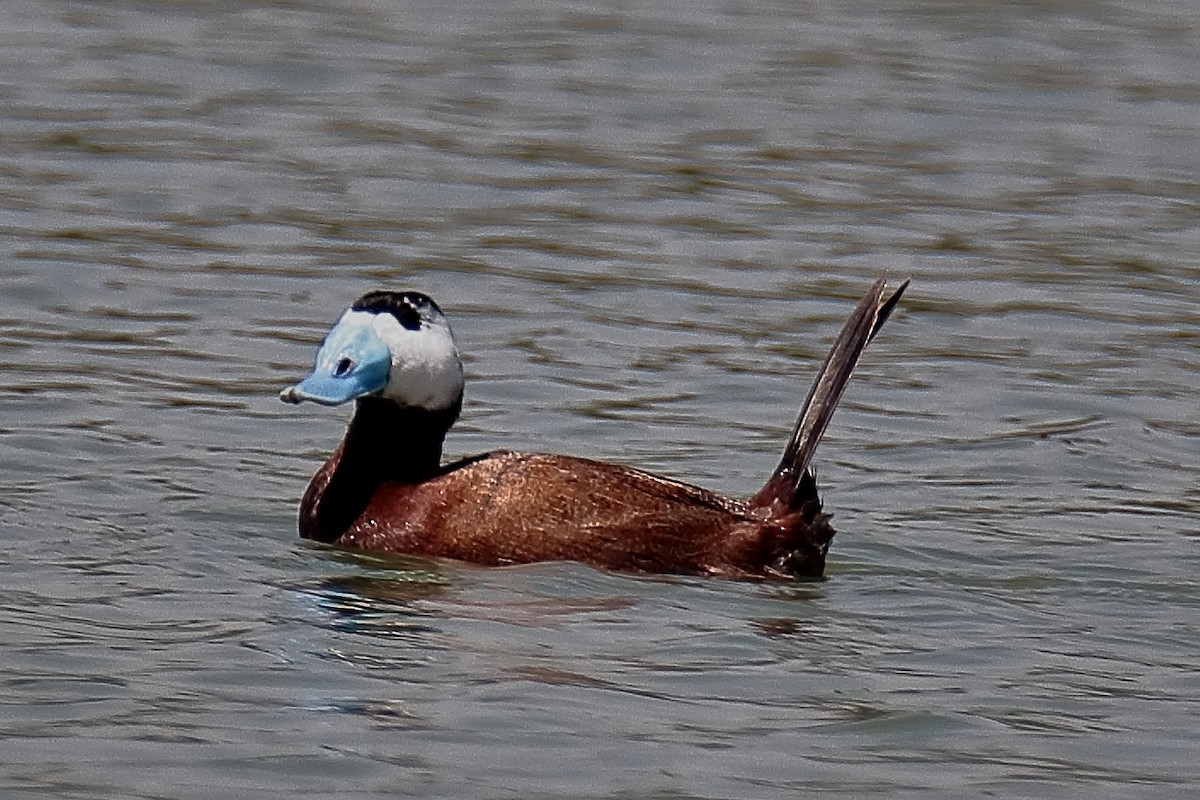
pixel 342 368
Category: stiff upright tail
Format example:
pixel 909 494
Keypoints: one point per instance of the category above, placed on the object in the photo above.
pixel 791 485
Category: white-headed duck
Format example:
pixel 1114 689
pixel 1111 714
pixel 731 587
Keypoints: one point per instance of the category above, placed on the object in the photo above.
pixel 385 488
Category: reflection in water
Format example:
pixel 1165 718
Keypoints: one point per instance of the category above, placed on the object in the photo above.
pixel 380 600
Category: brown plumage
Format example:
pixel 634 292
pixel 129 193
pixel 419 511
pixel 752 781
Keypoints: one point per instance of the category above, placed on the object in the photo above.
pixel 384 489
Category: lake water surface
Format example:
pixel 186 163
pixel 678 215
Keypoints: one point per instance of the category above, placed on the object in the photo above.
pixel 646 222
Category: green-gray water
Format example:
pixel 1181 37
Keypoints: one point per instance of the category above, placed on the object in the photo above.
pixel 646 222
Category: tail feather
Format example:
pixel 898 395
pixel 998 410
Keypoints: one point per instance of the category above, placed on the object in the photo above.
pixel 785 489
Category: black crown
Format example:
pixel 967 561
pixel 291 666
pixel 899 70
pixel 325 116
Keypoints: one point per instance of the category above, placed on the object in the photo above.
pixel 407 307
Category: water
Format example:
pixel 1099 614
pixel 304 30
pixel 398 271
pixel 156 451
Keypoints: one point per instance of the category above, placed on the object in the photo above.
pixel 646 222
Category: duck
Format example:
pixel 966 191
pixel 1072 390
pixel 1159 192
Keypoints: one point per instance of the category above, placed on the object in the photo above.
pixel 385 489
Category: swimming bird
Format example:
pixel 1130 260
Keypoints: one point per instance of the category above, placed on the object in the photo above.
pixel 386 489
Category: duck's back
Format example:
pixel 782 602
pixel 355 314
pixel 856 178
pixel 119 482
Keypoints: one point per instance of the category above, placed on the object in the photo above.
pixel 512 508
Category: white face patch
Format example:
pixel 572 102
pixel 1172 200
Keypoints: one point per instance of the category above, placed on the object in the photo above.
pixel 426 371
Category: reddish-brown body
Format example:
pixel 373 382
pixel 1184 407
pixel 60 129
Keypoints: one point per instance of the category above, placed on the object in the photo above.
pixel 515 508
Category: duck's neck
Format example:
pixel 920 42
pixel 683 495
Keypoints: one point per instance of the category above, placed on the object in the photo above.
pixel 385 442
pixel 395 443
